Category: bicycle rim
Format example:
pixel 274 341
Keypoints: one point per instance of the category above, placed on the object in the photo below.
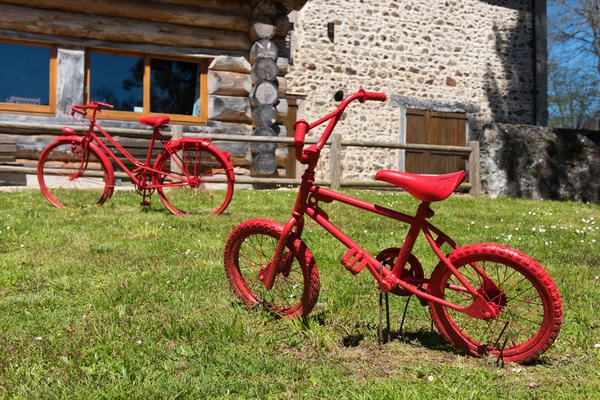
pixel 195 180
pixel 70 177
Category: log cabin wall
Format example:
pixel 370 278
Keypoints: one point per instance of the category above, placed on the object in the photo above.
pixel 218 33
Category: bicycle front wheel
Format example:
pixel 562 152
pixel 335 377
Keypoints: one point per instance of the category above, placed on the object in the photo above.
pixel 194 179
pixel 249 250
pixel 527 298
pixel 71 177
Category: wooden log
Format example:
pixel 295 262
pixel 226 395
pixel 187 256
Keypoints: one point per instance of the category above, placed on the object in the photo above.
pixel 232 64
pixel 53 126
pixel 265 7
pixel 262 28
pixel 236 150
pixel 229 108
pixel 282 86
pixel 282 25
pixel 283 63
pixel 32 146
pixel 219 128
pixel 225 83
pixel 7 139
pixel 239 6
pixel 264 93
pixel 263 49
pixel 265 69
pixel 117 29
pixel 149 11
pixel 264 163
pixel 258 147
pixel 264 115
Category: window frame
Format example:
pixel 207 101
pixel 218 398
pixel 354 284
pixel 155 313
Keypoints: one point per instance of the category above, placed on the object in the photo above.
pixel 202 119
pixel 49 109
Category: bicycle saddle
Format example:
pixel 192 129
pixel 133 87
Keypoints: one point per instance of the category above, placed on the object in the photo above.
pixel 428 188
pixel 155 121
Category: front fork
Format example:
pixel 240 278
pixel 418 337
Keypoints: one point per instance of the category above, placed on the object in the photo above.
pixel 269 274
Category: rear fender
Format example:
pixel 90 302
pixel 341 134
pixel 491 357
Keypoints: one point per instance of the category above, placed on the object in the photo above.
pixel 206 143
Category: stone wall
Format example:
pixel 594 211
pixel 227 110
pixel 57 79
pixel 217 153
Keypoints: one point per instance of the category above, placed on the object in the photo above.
pixel 468 51
pixel 540 163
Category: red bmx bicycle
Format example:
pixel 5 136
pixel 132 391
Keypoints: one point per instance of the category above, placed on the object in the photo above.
pixel 483 298
pixel 190 175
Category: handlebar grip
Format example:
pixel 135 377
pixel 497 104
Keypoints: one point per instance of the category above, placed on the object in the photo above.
pixel 78 110
pixel 105 105
pixel 375 96
pixel 301 127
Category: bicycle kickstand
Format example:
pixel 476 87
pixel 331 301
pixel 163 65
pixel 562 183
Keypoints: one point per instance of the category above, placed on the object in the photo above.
pixel 387 314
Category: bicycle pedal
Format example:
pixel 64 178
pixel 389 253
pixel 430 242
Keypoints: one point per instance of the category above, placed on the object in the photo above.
pixel 354 261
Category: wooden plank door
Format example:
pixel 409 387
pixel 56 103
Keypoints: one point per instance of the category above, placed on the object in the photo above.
pixel 432 127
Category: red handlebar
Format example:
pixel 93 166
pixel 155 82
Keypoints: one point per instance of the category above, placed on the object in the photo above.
pixel 375 96
pixel 104 105
pixel 301 126
pixel 93 105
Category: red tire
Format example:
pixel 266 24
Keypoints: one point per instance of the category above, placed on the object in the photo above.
pixel 197 178
pixel 70 177
pixel 249 249
pixel 529 302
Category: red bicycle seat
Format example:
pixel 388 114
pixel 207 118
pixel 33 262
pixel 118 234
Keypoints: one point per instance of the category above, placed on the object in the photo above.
pixel 427 188
pixel 155 121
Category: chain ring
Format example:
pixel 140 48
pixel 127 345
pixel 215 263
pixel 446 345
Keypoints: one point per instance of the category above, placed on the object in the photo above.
pixel 389 256
pixel 143 192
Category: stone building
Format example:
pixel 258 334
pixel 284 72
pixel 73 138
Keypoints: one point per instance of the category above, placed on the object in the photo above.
pixel 450 65
pixel 478 56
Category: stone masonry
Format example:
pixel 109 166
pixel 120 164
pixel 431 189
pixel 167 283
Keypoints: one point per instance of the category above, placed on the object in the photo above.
pixel 540 163
pixel 474 51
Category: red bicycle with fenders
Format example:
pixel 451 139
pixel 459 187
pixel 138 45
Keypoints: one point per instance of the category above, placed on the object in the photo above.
pixel 483 298
pixel 191 175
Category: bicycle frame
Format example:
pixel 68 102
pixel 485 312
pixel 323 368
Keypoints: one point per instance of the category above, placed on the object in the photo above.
pixel 139 166
pixel 307 202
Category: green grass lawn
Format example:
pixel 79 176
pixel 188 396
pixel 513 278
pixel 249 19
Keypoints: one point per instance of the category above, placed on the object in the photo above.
pixel 130 302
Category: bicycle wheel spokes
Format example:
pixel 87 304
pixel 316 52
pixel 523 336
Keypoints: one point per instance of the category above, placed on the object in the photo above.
pixel 70 177
pixel 528 303
pixel 507 299
pixel 254 255
pixel 249 251
pixel 195 180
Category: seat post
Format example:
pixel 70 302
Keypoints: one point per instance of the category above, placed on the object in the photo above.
pixel 423 212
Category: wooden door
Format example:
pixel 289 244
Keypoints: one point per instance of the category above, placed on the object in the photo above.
pixel 433 127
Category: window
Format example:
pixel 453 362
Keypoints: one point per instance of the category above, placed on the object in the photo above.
pixel 28 77
pixel 141 84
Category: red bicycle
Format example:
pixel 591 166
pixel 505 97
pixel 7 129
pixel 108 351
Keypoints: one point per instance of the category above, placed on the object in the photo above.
pixel 483 298
pixel 75 171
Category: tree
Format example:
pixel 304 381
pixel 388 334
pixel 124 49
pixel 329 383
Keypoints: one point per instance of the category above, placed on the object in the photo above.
pixel 574 65
pixel 573 97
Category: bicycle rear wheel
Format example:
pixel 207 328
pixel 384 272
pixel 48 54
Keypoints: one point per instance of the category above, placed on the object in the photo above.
pixel 527 298
pixel 71 177
pixel 195 178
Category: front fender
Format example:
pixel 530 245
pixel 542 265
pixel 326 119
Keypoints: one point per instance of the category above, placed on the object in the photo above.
pixel 110 172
